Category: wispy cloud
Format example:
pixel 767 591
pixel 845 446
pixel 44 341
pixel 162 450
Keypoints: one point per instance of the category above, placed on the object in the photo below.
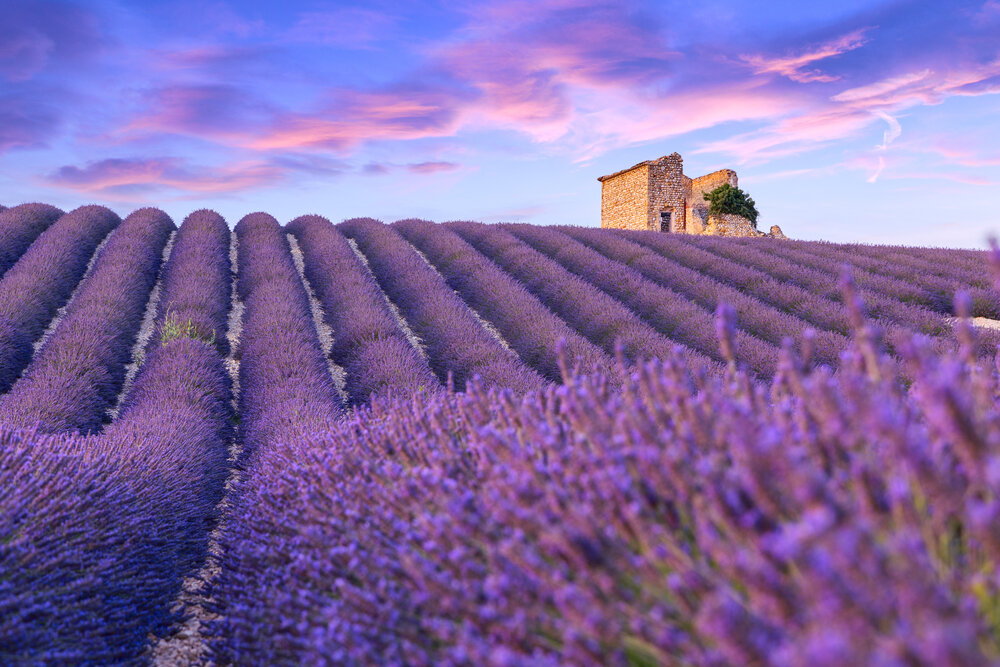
pixel 126 177
pixel 791 66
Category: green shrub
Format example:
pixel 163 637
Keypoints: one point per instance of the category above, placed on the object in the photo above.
pixel 727 199
pixel 173 328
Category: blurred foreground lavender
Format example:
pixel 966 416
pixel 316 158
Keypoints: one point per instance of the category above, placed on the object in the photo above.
pixel 819 519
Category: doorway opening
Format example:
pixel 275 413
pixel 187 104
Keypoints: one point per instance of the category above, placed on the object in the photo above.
pixel 666 221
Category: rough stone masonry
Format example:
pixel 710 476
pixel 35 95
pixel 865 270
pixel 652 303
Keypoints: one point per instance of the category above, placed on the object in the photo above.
pixel 656 195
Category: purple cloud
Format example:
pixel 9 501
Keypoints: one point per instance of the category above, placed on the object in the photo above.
pixel 129 176
pixel 25 120
pixel 39 33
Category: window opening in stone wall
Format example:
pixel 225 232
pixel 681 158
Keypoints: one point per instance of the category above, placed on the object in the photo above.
pixel 666 221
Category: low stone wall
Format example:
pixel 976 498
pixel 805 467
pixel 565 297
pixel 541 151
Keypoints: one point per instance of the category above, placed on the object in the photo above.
pixel 727 224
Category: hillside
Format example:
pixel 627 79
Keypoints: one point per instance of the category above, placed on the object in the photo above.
pixel 458 443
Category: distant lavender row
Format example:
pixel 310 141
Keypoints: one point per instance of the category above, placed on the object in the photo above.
pixel 21 225
pixel 531 329
pixel 97 533
pixel 810 271
pixel 820 273
pixel 670 313
pixel 753 315
pixel 823 519
pixel 920 285
pixel 456 342
pixel 967 267
pixel 42 280
pixel 752 275
pixel 285 383
pixel 77 374
pixel 194 299
pixel 807 292
pixel 368 343
pixel 604 320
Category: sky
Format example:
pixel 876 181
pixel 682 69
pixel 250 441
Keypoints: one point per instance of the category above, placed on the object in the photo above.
pixel 858 120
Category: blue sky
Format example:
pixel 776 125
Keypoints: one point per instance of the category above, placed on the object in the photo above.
pixel 869 121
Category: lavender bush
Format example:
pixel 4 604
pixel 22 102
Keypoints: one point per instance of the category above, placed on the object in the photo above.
pixel 42 280
pixel 456 342
pixel 77 374
pixel 503 301
pixel 21 225
pixel 368 343
pixel 818 519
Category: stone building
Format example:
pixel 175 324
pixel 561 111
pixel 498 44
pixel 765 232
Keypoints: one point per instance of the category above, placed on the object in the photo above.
pixel 656 195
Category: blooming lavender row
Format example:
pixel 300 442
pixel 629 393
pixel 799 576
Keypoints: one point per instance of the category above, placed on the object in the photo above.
pixel 895 316
pixel 604 320
pixel 530 328
pixel 97 532
pixel 753 276
pixel 77 374
pixel 456 342
pixel 21 225
pixel 285 391
pixel 753 315
pixel 285 383
pixel 962 265
pixel 814 293
pixel 42 280
pixel 929 283
pixel 822 518
pixel 669 312
pixel 872 274
pixel 881 297
pixel 368 343
pixel 194 301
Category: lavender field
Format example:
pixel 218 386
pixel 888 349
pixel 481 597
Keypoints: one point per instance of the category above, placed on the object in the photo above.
pixel 468 444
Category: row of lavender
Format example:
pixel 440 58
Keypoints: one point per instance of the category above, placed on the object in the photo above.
pixel 97 532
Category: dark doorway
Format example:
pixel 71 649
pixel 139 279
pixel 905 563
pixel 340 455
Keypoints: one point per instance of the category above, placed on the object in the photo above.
pixel 666 221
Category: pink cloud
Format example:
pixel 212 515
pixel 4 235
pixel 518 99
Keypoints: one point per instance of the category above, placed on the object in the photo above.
pixel 791 66
pixel 429 167
pixel 221 112
pixel 358 116
pixel 850 112
pixel 432 167
pixel 126 176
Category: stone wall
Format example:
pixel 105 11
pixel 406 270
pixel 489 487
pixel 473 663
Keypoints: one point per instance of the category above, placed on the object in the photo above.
pixel 666 192
pixel 623 200
pixel 727 224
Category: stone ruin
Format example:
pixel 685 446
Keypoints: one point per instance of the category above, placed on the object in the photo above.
pixel 656 195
